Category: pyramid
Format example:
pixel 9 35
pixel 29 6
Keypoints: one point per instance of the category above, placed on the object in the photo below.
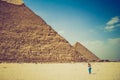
pixel 26 37
pixel 85 52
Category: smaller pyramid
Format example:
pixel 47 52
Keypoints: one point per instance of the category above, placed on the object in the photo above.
pixel 85 52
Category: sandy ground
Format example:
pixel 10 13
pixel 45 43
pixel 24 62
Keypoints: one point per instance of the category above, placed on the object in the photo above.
pixel 65 71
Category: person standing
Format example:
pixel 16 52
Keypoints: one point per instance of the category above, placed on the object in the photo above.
pixel 89 68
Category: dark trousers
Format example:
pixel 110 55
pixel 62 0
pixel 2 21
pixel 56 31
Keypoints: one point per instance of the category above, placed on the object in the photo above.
pixel 89 70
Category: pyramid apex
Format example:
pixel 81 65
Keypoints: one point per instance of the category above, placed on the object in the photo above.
pixel 77 43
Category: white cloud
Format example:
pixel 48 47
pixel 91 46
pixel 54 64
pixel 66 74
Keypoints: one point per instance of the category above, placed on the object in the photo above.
pixel 113 24
pixel 110 28
pixel 113 21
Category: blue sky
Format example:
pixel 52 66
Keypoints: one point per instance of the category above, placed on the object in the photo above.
pixel 93 23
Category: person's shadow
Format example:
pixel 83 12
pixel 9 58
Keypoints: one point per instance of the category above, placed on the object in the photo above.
pixel 93 73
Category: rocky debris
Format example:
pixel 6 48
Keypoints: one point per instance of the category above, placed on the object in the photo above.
pixel 105 60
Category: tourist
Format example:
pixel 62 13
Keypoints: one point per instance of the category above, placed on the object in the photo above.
pixel 89 68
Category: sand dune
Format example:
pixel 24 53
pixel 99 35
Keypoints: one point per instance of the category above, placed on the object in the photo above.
pixel 65 71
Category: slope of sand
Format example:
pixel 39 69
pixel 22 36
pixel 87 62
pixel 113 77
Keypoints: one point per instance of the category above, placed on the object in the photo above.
pixel 17 2
pixel 65 71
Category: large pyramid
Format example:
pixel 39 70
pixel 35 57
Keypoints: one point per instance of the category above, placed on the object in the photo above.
pixel 85 52
pixel 26 37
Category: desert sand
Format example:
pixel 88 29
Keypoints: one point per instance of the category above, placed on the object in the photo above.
pixel 60 71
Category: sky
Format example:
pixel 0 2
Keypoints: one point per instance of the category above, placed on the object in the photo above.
pixel 93 23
